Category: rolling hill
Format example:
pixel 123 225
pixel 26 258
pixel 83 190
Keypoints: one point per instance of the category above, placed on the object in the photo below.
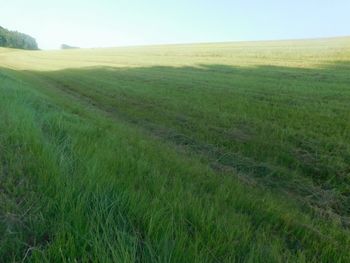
pixel 222 152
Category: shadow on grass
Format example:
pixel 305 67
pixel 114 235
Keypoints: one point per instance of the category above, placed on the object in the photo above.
pixel 286 128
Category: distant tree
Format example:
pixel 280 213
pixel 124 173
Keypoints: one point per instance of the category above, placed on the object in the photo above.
pixel 14 39
pixel 2 41
pixel 65 46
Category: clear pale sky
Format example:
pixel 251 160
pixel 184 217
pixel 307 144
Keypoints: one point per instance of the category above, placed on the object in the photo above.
pixel 103 23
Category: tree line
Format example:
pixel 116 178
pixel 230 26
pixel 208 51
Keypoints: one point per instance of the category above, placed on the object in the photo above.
pixel 65 46
pixel 14 39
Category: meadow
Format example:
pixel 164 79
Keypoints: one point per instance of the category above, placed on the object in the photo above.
pixel 225 152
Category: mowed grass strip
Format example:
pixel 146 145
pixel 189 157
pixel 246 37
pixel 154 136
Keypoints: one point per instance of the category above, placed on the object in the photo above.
pixel 151 163
pixel 290 133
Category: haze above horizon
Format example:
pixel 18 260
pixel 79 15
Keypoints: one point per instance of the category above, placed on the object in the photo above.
pixel 107 23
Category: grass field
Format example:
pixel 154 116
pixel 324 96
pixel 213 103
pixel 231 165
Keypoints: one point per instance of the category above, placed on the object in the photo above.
pixel 228 152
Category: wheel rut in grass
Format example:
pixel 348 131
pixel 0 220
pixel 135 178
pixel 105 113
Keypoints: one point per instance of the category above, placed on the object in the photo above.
pixel 223 162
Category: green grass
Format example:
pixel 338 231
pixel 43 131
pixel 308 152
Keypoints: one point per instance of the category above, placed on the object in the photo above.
pixel 232 152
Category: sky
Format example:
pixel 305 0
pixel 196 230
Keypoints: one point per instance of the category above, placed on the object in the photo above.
pixel 107 23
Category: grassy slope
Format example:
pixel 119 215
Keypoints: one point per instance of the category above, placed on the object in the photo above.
pixel 201 153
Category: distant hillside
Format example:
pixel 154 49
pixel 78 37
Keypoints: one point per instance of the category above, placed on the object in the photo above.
pixel 14 39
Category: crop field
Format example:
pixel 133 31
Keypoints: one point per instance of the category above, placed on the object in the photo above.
pixel 226 152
